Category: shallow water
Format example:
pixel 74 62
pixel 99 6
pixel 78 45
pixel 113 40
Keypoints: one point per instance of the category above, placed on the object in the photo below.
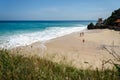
pixel 21 33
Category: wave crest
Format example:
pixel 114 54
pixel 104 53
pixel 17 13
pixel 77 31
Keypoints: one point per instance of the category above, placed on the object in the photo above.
pixel 47 34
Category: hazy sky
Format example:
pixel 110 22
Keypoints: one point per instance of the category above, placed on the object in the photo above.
pixel 56 9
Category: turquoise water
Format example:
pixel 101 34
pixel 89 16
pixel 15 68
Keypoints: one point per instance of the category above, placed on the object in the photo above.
pixel 21 33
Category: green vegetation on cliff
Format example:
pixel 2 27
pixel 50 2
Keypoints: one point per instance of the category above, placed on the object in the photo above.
pixel 17 67
pixel 115 15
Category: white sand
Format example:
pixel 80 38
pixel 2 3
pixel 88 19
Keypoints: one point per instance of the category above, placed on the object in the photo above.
pixel 71 50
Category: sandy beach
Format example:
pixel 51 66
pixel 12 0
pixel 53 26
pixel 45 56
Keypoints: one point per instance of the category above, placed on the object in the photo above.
pixel 71 50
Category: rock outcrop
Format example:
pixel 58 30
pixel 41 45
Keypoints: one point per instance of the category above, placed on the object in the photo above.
pixel 91 26
pixel 99 25
pixel 112 22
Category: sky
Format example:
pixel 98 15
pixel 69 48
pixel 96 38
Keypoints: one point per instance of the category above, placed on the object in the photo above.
pixel 57 9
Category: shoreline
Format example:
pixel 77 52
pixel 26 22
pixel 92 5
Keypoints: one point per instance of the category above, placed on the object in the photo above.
pixel 23 39
pixel 70 49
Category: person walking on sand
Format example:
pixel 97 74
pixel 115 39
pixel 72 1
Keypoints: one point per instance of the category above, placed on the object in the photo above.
pixel 82 33
pixel 83 40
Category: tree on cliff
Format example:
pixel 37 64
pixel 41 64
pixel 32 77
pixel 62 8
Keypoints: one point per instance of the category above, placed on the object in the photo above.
pixel 115 15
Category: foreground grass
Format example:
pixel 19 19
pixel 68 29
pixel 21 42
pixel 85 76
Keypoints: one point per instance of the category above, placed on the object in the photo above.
pixel 17 67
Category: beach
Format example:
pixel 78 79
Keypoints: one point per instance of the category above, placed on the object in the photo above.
pixel 71 50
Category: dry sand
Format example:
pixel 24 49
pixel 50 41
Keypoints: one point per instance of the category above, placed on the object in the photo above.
pixel 71 50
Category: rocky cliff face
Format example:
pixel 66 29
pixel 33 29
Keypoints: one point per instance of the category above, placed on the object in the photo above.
pixel 98 25
pixel 109 23
pixel 114 16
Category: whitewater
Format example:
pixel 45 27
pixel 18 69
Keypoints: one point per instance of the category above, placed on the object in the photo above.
pixel 13 37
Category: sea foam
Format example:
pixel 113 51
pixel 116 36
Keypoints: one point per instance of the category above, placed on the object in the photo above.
pixel 49 33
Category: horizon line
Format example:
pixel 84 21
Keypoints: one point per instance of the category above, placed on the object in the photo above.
pixel 47 20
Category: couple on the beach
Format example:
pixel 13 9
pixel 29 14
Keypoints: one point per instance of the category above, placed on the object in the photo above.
pixel 82 34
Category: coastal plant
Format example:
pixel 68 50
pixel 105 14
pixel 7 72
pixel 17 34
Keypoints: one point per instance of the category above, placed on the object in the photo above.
pixel 116 56
pixel 18 67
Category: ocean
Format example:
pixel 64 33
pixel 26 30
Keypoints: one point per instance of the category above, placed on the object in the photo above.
pixel 21 33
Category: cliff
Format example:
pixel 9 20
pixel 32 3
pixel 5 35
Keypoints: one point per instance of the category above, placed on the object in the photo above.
pixel 112 22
